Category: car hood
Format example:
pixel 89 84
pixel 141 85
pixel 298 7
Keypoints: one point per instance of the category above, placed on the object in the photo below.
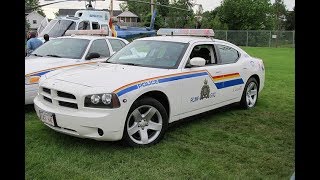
pixel 36 64
pixel 108 76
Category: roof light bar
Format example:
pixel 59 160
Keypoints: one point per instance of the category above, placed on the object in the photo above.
pixel 186 32
pixel 101 32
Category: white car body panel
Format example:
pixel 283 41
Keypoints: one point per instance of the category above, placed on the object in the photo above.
pixel 182 87
pixel 38 66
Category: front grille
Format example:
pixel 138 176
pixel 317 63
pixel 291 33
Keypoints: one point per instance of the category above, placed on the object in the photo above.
pixel 59 98
pixel 65 95
pixel 46 90
pixel 47 99
pixel 68 104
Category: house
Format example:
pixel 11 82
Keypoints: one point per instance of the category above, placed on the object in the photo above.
pixel 34 19
pixel 127 17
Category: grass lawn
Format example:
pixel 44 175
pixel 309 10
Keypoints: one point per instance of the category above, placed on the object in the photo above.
pixel 220 144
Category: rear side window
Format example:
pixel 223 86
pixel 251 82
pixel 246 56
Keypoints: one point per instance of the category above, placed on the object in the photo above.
pixel 227 54
pixel 116 44
pixel 100 46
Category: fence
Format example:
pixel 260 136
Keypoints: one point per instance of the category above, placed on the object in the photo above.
pixel 260 38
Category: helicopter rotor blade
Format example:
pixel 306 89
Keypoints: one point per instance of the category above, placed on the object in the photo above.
pixel 42 5
pixel 157 4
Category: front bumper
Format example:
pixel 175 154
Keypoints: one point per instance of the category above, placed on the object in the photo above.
pixel 84 123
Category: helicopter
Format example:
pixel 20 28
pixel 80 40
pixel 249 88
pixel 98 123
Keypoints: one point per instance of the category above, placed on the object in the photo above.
pixel 94 19
pixel 85 19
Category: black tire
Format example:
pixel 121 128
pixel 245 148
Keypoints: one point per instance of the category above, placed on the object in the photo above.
pixel 155 135
pixel 244 102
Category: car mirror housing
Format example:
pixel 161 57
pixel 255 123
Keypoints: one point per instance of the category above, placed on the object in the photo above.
pixel 92 55
pixel 197 61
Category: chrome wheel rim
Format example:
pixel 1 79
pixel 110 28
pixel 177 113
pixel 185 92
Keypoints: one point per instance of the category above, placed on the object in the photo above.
pixel 251 94
pixel 144 124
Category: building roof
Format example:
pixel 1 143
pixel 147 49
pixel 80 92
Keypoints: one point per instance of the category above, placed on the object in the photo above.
pixel 33 13
pixel 127 14
pixel 65 12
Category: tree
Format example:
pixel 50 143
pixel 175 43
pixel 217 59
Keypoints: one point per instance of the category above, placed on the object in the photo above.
pixel 32 4
pixel 123 6
pixel 211 20
pixel 181 18
pixel 140 9
pixel 159 21
pixel 279 14
pixel 290 23
pixel 245 14
pixel 163 11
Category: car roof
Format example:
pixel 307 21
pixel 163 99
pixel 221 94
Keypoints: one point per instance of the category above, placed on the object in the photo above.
pixel 183 39
pixel 189 39
pixel 89 37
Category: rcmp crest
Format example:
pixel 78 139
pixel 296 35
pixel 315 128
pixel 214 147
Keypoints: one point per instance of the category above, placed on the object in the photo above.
pixel 205 90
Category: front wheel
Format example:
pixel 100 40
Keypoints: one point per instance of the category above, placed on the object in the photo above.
pixel 250 94
pixel 146 123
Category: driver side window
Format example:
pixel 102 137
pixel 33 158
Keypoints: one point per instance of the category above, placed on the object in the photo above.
pixel 205 51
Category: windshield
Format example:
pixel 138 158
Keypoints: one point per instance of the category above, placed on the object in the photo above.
pixel 63 47
pixel 160 54
pixel 57 28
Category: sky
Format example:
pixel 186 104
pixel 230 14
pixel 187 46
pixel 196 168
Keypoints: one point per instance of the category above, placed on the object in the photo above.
pixel 207 5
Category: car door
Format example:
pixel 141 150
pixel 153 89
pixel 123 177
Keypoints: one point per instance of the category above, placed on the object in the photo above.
pixel 200 91
pixel 229 77
pixel 101 47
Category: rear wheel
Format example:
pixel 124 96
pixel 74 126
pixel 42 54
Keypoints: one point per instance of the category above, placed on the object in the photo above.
pixel 146 123
pixel 250 94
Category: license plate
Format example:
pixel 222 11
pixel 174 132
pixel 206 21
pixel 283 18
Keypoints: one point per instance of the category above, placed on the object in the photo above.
pixel 47 117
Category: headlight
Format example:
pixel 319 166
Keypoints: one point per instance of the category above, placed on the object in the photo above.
pixel 106 100
pixel 32 79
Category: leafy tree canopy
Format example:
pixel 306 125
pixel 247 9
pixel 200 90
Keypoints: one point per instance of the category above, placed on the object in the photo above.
pixel 245 14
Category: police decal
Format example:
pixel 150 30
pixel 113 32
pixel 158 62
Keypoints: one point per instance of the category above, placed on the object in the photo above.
pixel 147 83
pixel 204 94
pixel 205 90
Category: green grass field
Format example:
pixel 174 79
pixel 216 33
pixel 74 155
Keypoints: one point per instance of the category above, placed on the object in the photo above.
pixel 228 143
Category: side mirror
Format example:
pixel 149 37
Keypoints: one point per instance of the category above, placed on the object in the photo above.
pixel 197 61
pixel 92 55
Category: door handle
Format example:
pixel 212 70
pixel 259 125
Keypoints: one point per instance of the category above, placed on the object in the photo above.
pixel 218 71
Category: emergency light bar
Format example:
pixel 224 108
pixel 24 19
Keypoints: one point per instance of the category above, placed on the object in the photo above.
pixel 101 32
pixel 186 32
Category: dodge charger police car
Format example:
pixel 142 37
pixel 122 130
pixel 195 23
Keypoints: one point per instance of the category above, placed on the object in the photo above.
pixel 66 52
pixel 149 83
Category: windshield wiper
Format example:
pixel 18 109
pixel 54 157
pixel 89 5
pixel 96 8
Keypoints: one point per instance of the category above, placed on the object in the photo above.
pixel 37 55
pixel 131 64
pixel 53 55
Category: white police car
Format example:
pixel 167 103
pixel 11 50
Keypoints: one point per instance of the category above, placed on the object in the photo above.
pixel 149 83
pixel 67 52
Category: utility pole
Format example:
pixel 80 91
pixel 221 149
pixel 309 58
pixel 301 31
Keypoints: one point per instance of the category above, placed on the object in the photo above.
pixel 111 8
pixel 151 2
